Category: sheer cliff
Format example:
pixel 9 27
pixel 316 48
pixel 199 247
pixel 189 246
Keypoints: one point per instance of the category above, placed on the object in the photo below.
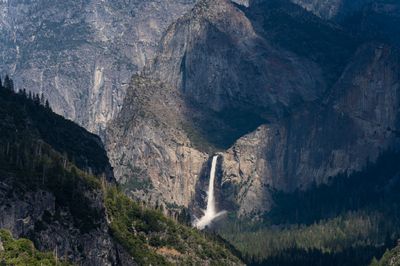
pixel 82 54
pixel 358 122
pixel 205 88
pixel 287 98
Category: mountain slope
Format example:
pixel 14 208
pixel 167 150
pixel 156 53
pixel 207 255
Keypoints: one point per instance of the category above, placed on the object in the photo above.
pixel 214 80
pixel 346 221
pixel 272 87
pixel 46 197
pixel 58 190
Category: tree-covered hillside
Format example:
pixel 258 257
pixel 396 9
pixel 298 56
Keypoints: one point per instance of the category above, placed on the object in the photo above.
pixel 57 189
pixel 27 116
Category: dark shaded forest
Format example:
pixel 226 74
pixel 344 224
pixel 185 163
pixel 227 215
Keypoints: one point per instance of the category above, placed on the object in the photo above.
pixel 25 115
pixel 42 151
pixel 351 220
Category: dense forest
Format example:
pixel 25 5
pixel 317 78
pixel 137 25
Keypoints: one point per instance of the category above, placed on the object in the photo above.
pixel 41 151
pixel 26 115
pixel 348 221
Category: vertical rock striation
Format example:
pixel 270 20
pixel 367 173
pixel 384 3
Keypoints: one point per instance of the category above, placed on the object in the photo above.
pixel 211 66
pixel 82 54
pixel 299 113
pixel 356 123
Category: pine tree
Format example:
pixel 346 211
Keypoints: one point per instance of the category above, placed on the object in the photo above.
pixel 8 83
pixel 47 104
pixel 36 99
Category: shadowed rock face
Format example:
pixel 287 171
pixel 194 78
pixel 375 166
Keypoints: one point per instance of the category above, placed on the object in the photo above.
pixel 305 114
pixel 356 123
pixel 214 76
pixel 219 62
pixel 331 9
pixel 63 211
pixel 285 96
pixel 82 54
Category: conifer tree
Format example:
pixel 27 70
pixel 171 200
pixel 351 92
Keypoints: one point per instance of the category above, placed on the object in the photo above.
pixel 47 105
pixel 8 83
pixel 36 99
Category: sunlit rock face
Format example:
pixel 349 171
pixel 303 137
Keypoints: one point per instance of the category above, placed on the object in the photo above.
pixel 212 70
pixel 153 157
pixel 284 90
pixel 224 59
pixel 82 54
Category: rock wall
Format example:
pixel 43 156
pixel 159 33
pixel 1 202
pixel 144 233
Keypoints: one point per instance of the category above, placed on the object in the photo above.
pixel 38 216
pixel 356 123
pixel 153 157
pixel 212 76
pixel 210 60
pixel 82 54
pixel 214 61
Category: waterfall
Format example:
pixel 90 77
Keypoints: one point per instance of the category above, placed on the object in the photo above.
pixel 210 213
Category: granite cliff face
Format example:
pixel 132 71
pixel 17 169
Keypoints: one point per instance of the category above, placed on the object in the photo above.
pixel 187 102
pixel 356 123
pixel 298 113
pixel 152 155
pixel 241 70
pixel 82 54
pixel 39 216
pixel 288 92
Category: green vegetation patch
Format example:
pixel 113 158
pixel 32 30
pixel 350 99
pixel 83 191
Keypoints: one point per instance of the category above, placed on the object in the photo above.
pixel 23 252
pixel 151 238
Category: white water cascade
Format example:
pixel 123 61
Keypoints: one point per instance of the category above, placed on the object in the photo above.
pixel 210 213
